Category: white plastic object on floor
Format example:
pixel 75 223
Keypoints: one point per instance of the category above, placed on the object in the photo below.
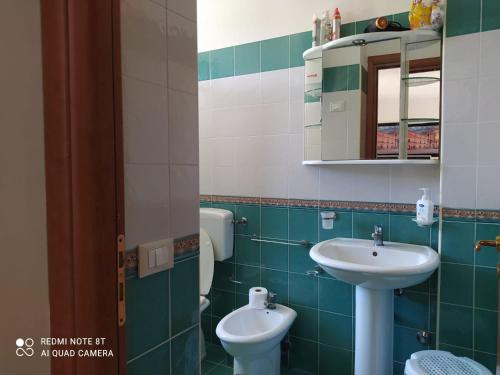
pixel 438 362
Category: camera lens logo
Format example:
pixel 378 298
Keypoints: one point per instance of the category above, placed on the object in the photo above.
pixel 24 347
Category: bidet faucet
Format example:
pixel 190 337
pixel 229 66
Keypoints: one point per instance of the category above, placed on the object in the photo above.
pixel 270 301
pixel 378 235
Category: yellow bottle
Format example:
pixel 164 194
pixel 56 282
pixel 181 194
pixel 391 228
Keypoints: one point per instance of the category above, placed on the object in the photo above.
pixel 420 14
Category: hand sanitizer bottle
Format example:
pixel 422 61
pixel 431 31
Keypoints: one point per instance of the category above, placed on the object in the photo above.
pixel 425 209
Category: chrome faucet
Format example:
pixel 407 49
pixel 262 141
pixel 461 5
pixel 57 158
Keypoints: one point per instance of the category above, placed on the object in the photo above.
pixel 270 301
pixel 378 235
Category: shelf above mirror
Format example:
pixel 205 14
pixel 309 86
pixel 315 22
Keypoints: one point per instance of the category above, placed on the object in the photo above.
pixel 373 162
pixel 420 81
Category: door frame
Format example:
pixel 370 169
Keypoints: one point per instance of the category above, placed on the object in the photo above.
pixel 376 63
pixel 84 178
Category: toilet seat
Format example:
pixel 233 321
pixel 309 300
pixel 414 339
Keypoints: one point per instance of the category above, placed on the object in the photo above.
pixel 438 362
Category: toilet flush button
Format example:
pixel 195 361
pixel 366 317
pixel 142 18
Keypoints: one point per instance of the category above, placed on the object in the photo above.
pixel 161 256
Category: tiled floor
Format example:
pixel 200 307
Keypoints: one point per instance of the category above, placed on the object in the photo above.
pixel 216 361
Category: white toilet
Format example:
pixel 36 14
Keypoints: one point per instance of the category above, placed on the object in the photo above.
pixel 429 362
pixel 216 243
pixel 252 336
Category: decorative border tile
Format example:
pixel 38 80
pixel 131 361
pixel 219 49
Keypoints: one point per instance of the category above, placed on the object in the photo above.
pixel 458 213
pixel 403 208
pixel 182 247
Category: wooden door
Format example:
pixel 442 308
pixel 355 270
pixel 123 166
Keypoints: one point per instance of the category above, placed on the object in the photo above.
pixel 84 177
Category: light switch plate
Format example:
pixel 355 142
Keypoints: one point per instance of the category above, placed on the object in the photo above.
pixel 338 106
pixel 155 257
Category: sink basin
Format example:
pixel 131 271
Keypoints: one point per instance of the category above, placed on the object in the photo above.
pixel 376 271
pixel 392 266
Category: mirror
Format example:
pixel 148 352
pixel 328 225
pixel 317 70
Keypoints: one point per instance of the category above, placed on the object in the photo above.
pixel 361 99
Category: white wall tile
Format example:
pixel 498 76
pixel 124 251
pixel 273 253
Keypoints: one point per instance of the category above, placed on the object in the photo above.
pixel 488 135
pixel 146 203
pixel 182 54
pixel 458 186
pixel 224 151
pixel 275 118
pixel 184 208
pixel 145 122
pixel 206 165
pixel 248 161
pixel 460 100
pixel 489 89
pixel 490 53
pixel 406 180
pixel 275 181
pixel 204 89
pixel 222 92
pixel 183 118
pixel 335 183
pixel 488 187
pixel 248 89
pixel 223 122
pixel 186 8
pixel 458 63
pixel 275 150
pixel 297 78
pixel 275 86
pixel 144 51
pixel 459 144
pixel 303 181
pixel 247 121
pixel 205 123
pixel 296 119
pixel 224 180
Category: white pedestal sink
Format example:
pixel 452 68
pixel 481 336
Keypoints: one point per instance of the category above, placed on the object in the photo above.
pixel 376 271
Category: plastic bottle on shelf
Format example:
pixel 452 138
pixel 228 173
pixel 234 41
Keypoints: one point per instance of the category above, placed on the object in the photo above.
pixel 336 23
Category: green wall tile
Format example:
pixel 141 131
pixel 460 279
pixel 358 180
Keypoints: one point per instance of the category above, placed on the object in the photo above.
pixel 456 284
pixel 303 290
pixel 206 367
pixel 248 276
pixel 299 259
pixel 241 300
pixel 306 323
pixel 277 282
pixel 304 224
pixel 456 23
pixel 335 330
pixel 246 251
pixel 298 44
pixel 223 272
pixel 412 310
pixel 303 355
pixel 274 222
pixel 203 66
pixel 353 73
pixel 406 343
pixel 487 360
pixel 153 363
pixel 490 15
pixel 342 226
pixel 335 361
pixel 222 63
pixel 223 303
pixel 335 296
pixel 398 368
pixel 456 325
pixel 486 257
pixel 185 359
pixel 363 224
pixel 147 312
pixel 252 213
pixel 485 330
pixel 275 53
pixel 361 25
pixel 456 350
pixel 205 204
pixel 486 288
pixel 403 229
pixel 247 58
pixel 347 29
pixel 222 370
pixel 458 242
pixel 185 295
pixel 206 326
pixel 402 18
pixel 335 79
pixel 274 256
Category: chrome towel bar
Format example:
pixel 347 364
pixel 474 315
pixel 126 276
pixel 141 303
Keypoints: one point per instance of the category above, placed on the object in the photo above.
pixel 303 243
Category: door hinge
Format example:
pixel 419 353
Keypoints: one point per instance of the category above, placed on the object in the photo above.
pixel 120 271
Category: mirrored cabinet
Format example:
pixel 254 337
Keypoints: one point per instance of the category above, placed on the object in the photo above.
pixel 374 98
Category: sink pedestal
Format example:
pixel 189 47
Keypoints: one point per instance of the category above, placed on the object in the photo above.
pixel 374 331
